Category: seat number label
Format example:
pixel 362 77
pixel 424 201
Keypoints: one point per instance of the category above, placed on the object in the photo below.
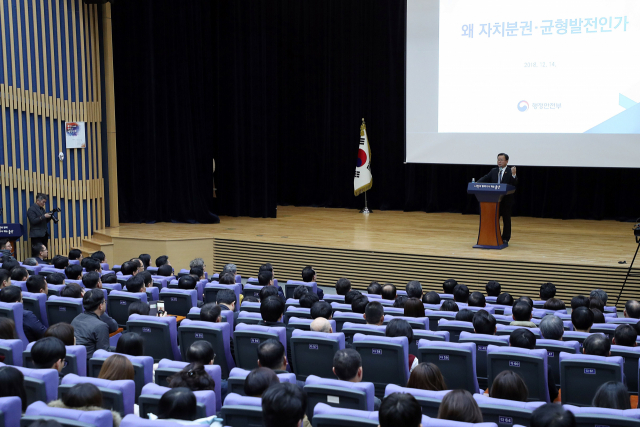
pixel 505 420
pixel 482 348
pixel 376 351
pixel 255 340
pixel 62 308
pixel 313 346
pixel 146 330
pixel 199 335
pixel 123 302
pixel 590 371
pixel 174 299
pixel 551 354
pixel 514 363
pixel 443 357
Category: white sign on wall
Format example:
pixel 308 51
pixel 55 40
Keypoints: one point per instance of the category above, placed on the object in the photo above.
pixel 75 134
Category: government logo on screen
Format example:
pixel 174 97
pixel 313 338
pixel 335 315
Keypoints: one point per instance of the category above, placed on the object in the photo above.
pixel 523 106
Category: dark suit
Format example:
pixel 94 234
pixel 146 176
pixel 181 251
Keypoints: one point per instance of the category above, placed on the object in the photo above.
pixel 506 204
pixel 289 333
pixel 39 225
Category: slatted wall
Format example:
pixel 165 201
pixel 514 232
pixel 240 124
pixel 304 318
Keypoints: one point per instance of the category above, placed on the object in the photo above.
pixel 50 74
pixel 362 267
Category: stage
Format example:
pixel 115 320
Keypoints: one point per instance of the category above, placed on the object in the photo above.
pixel 395 247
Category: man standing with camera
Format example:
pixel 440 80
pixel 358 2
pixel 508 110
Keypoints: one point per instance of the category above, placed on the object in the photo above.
pixel 39 221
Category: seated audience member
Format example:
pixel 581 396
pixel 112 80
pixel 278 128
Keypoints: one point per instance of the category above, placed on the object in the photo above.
pixel 427 376
pixel 308 276
pixel 598 316
pixel 33 328
pixel 196 263
pixel 343 286
pixel 321 309
pixel 599 293
pixel 60 262
pixel 194 377
pixel 233 270
pixel 579 301
pixel 492 288
pixel 72 290
pixel 31 262
pixel 92 280
pixel 476 299
pixel 139 307
pixel 449 305
pixel 116 367
pixel 39 252
pixel 75 254
pixel 547 290
pixel 505 299
pixel 413 307
pixel 400 409
pixel 135 284
pixel 402 328
pixel 178 404
pixel 227 279
pixel 269 291
pixel 5 278
pixel 465 315
pixel 84 397
pixel 162 260
pixel 321 324
pixel 582 319
pixel 613 395
pixel 226 299
pixel 632 309
pixel 99 256
pixel 10 265
pixel 459 405
pixel 139 263
pixel 524 338
pixel 509 385
pixel 400 301
pixel 374 313
pixel 449 285
pixel 165 270
pixel 107 278
pixel 200 352
pixel 347 366
pixel 597 345
pixel 258 381
pixel 389 292
pixel 552 328
pixel 146 277
pixel 146 260
pixel 552 415
pixel 348 298
pixel 265 278
pixel 414 289
pixel 211 312
pixel 19 274
pixel 73 272
pixel 185 282
pixel 484 323
pixel 554 304
pixel 12 384
pixel 461 293
pixel 307 300
pixel 37 285
pixel 6 250
pixel 7 330
pixel 49 353
pixel 63 331
pixel 625 335
pixel 299 291
pixel 431 298
pixel 91 264
pixel 284 405
pixel 90 330
pixel 130 343
pixel 522 315
pixel 56 279
pixel 597 303
pixel 271 310
pixel 197 273
pixel 359 304
pixel 374 288
pixel 271 355
pixel 525 299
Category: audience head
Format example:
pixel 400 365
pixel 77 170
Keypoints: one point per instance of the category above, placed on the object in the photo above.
pixel 465 315
pixel 139 307
pixel 431 297
pixel 449 285
pixel 63 331
pixel 38 250
pixel 165 270
pixel 459 405
pixel 389 292
pixel 56 279
pixel 129 268
pixel 597 345
pixel 31 262
pixel 449 305
pixel 91 264
pixel 321 309
pixel 484 323
pixel 130 343
pixel 81 395
pixel 200 352
pixel 49 353
pixel 194 377
pixel 272 309
pixel 233 270
pixel 5 278
pixel 92 280
pixel 258 381
pixel 522 311
pixel 552 327
pixel 187 282
pixel 476 299
pixel 582 319
pixel 107 278
pixel 414 289
pixel 308 274
pixel 625 335
pixel 75 254
pixel 632 309
pixel 19 274
pixel 343 286
pixel 413 307
pixel 146 260
pixel 612 395
pixel 579 301
pixel 116 367
pixel 320 324
pixel 10 265
pixel 427 376
pixel 162 260
pixel 554 304
pixel 7 329
pixel 597 303
pixel 505 299
pixel 228 279
pixel 347 365
pixel 12 384
pixel 60 262
pixel 226 297
pixel 178 403
pixel 348 298
pixel 283 405
pixel 135 284
pixel 197 273
pixel 37 284
pixel 525 299
pixel 400 409
pixel 374 313
pixel 359 304
pixel 374 288
pixel 271 355
pixel 299 291
pixel 510 386
pixel 399 301
pixel 265 278
pixel 547 290
pixel 598 316
pixel 522 338
pixel 268 291
pixel 552 415
pixel 461 293
pixel 493 288
pixel 11 294
pixel 307 300
pixel 210 312
pixel 71 290
pixel 146 277
pixel 599 293
pixel 399 328
pixel 99 256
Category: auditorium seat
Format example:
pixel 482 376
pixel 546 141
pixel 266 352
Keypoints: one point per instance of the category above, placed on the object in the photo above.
pixel 179 301
pixel 503 319
pixel 66 417
pixel 237 377
pixel 631 356
pixel 341 307
pixel 54 289
pixel 305 324
pixel 249 318
pixel 75 360
pixel 435 316
pixel 394 311
pixel 63 309
pixel 160 335
pixel 621 320
pixel 581 375
pixel 167 368
pixel 251 290
pixel 247 338
pixel 489 309
pixel 429 400
pixel 226 316
pixel 12 351
pixel 304 313
pixel 507 329
pixel 217 334
pixel 419 334
pixel 136 421
pixel 455 327
pixel 333 298
pixel 482 341
pixel 504 412
pixel 211 290
pixel 444 297
pixel 531 365
pixel 291 286
pixel 14 311
pixel 110 287
pixel 554 348
pixel 153 294
pixel 576 336
pixel 40 384
pixel 10 411
pixel 457 362
pixel 36 303
pixel 291 303
pixel 343 317
pixel 385 360
pixel 417 323
pixel 21 284
pixel 312 353
pixel 607 329
pixel 117 395
pixel 151 394
pixel 593 416
pixel 241 410
pixel 349 329
pixel 342 394
pixel 142 368
pixel 118 303
pixel 327 416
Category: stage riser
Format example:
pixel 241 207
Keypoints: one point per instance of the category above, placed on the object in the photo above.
pixel 362 267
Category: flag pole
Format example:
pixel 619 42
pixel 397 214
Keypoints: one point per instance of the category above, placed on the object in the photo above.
pixel 366 208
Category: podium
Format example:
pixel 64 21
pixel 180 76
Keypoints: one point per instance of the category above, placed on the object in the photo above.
pixel 12 232
pixel 489 195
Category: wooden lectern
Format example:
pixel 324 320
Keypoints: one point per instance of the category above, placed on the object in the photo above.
pixel 489 195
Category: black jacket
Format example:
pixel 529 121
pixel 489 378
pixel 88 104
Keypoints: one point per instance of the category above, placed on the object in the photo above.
pixel 39 225
pixel 507 178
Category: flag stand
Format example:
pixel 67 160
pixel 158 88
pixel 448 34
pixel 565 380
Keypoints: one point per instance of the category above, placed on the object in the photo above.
pixel 366 208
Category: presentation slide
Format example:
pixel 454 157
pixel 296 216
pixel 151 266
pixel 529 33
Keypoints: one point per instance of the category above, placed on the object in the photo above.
pixel 551 82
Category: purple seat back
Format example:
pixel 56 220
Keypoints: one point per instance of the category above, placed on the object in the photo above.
pixel 136 421
pixel 424 321
pixel 74 262
pixel 251 289
pixel 168 320
pixel 159 280
pixel 168 292
pixel 255 317
pixel 571 345
pixel 11 409
pixel 21 283
pixel 401 341
pixel 293 321
pixel 628 413
pixel 471 377
pixel 104 265
pixel 206 398
pixel 278 330
pixel 333 298
pixel 242 373
pixel 366 387
pixel 236 399
pixel 78 351
pixel 324 409
pixel 145 361
pixel 250 306
pixel 488 309
pixel 506 351
pixel 15 348
pixel 101 418
pixel 48 376
pixel 110 286
pixel 214 372
pixel 126 387
pixel 621 320
pixel 393 388
pixel 237 289
pixel 510 328
pixel 14 312
pixel 394 311
pixel 618 360
pixel 364 327
pixel 432 307
pixel 486 400
pixel 339 306
pixel 153 294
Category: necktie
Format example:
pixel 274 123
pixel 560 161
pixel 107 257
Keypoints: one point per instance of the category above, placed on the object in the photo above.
pixel 501 173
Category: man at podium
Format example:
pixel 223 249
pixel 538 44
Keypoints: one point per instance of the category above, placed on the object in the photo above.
pixel 503 174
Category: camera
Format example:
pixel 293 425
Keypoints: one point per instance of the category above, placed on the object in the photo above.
pixel 53 214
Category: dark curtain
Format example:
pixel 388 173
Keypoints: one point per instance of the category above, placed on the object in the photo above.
pixel 279 104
